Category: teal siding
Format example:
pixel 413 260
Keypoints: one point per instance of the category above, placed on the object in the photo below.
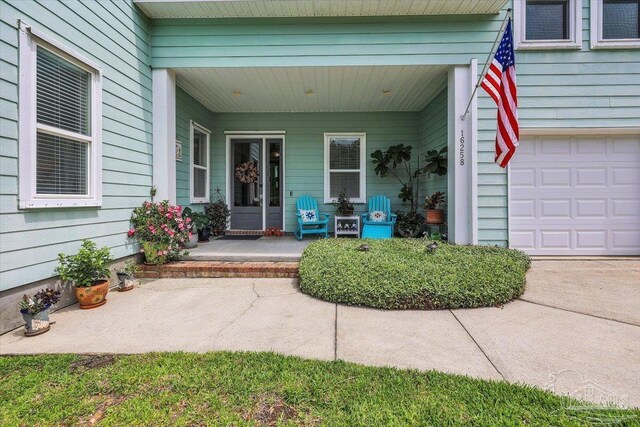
pixel 187 109
pixel 574 88
pixel 116 36
pixel 304 149
pixel 433 136
pixel 561 88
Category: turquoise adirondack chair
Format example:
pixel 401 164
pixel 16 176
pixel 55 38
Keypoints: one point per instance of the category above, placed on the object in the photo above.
pixel 378 229
pixel 319 226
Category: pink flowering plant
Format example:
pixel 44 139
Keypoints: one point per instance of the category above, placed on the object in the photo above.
pixel 161 228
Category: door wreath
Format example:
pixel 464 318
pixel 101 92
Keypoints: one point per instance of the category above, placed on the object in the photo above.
pixel 247 172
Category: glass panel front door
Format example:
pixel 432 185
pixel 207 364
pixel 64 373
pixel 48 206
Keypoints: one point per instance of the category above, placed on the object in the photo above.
pixel 246 188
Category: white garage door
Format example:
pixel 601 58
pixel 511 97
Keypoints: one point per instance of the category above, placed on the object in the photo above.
pixel 576 196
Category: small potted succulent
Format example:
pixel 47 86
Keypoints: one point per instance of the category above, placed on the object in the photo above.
pixel 343 204
pixel 89 272
pixel 126 276
pixel 431 203
pixel 35 311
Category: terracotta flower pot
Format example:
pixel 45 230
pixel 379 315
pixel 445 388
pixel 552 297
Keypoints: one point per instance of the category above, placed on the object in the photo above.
pixel 435 216
pixel 92 296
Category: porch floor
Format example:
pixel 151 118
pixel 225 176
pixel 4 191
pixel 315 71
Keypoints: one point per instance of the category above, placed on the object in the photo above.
pixel 285 248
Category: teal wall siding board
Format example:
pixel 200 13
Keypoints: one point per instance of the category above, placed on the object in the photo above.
pixel 116 36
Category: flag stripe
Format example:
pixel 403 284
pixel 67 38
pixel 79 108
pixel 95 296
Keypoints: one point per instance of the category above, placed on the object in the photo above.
pixel 500 83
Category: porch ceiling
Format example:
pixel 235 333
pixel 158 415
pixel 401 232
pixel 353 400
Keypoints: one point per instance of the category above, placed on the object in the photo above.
pixel 313 8
pixel 314 89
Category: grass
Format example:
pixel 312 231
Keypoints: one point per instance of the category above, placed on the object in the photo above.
pixel 264 389
pixel 402 274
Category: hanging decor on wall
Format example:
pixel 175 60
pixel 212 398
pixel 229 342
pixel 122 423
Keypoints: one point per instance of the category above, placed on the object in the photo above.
pixel 247 172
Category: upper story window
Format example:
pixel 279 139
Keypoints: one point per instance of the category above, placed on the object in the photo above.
pixel 547 24
pixel 60 125
pixel 615 23
pixel 199 163
pixel 345 166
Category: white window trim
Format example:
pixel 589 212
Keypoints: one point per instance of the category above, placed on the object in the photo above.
pixel 29 39
pixel 597 42
pixel 520 29
pixel 194 200
pixel 363 166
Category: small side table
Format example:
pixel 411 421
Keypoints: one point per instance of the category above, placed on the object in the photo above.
pixel 346 225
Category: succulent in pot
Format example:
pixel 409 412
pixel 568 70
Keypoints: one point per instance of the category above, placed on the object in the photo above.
pixel 343 204
pixel 126 276
pixel 431 203
pixel 89 272
pixel 35 311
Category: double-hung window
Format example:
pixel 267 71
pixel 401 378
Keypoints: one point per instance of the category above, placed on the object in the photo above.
pixel 345 166
pixel 60 125
pixel 547 24
pixel 615 24
pixel 199 163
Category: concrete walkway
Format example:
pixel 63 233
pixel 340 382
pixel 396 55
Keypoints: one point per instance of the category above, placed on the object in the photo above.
pixel 576 330
pixel 285 248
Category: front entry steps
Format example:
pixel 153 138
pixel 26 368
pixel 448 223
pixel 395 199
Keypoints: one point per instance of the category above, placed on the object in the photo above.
pixel 194 269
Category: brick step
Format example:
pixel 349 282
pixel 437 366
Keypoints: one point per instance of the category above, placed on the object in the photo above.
pixel 192 269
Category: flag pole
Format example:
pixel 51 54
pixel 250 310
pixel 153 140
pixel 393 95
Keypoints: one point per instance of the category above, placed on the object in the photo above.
pixel 484 69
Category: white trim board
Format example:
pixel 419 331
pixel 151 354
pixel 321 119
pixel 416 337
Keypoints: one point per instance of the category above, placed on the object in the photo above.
pixel 581 131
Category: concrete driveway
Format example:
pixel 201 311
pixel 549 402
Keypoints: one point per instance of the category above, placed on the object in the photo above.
pixel 575 331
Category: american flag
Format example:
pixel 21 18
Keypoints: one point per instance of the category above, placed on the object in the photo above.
pixel 500 84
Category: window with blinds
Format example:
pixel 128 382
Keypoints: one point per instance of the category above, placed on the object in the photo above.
pixel 199 164
pixel 63 126
pixel 345 166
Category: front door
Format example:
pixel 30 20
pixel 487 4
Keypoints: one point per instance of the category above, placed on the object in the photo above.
pixel 246 183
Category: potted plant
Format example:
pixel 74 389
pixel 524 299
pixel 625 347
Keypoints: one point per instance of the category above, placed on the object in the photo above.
pixel 161 231
pixel 218 215
pixel 343 204
pixel 409 223
pixel 89 272
pixel 431 203
pixel 396 161
pixel 126 276
pixel 187 217
pixel 35 311
pixel 201 224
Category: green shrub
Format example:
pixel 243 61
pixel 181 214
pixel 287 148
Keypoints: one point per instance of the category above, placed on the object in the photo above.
pixel 403 274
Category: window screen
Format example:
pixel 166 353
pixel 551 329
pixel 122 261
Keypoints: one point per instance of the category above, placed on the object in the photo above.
pixel 344 166
pixel 620 19
pixel 547 19
pixel 200 164
pixel 63 103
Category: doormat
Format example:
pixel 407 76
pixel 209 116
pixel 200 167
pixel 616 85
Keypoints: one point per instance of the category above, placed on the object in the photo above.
pixel 240 237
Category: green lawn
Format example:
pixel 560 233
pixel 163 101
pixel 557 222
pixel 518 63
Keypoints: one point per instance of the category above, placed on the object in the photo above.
pixel 402 274
pixel 263 389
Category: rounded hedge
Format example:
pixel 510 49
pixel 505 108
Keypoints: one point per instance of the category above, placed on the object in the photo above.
pixel 403 274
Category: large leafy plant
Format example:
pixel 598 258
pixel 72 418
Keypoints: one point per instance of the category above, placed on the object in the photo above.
pixel 396 161
pixel 218 215
pixel 86 267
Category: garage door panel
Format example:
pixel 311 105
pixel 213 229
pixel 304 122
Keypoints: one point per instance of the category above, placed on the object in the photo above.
pixel 576 196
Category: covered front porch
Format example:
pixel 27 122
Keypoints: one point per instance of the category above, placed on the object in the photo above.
pixel 262 137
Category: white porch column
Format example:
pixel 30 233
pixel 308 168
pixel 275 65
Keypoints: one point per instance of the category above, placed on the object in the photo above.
pixel 462 173
pixel 164 134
